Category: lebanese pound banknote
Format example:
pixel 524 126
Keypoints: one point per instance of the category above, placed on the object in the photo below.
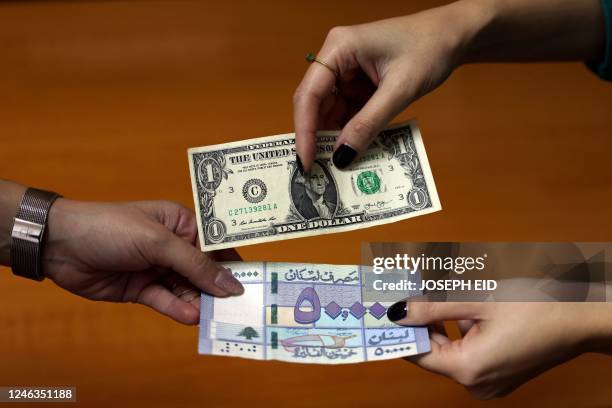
pixel 251 191
pixel 306 313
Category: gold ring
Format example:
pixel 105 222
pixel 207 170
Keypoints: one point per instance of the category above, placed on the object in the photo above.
pixel 310 57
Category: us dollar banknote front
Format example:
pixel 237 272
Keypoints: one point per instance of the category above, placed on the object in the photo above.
pixel 251 191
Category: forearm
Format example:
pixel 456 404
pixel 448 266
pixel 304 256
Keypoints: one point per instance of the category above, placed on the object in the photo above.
pixel 10 196
pixel 531 30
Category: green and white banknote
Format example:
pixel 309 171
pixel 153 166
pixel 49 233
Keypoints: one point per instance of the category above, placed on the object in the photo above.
pixel 251 191
pixel 306 313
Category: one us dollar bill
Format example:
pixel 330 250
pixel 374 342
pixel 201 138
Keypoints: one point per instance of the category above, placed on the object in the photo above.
pixel 252 191
pixel 309 313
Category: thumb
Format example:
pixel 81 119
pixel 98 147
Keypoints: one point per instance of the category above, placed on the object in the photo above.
pixel 422 313
pixel 187 260
pixel 363 128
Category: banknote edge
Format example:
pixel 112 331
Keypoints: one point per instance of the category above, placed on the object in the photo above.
pixel 196 204
pixel 202 149
pixel 304 234
pixel 208 148
pixel 427 172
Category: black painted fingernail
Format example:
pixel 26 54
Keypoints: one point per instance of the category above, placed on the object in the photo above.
pixel 397 311
pixel 343 156
pixel 300 166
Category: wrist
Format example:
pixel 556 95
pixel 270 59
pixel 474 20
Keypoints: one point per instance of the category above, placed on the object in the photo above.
pixel 58 220
pixel 62 227
pixel 10 197
pixel 469 18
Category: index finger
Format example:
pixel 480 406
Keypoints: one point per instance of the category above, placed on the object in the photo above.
pixel 317 84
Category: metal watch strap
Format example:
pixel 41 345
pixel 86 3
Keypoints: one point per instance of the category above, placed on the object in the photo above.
pixel 28 231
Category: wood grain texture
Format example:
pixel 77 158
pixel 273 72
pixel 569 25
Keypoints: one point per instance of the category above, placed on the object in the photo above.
pixel 100 100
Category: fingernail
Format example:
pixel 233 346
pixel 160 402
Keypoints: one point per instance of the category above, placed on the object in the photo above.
pixel 300 166
pixel 226 281
pixel 397 311
pixel 343 156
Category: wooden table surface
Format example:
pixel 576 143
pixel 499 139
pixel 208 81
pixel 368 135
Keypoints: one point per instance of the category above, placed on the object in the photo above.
pixel 99 100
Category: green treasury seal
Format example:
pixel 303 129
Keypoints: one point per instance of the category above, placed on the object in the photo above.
pixel 368 182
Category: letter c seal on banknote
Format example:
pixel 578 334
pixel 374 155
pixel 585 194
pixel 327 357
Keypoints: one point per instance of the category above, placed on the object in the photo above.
pixel 254 190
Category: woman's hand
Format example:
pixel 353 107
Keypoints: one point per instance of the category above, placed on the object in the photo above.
pixel 382 67
pixel 143 252
pixel 385 65
pixel 506 344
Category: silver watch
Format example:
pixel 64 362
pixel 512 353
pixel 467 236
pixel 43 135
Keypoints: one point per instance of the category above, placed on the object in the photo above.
pixel 28 232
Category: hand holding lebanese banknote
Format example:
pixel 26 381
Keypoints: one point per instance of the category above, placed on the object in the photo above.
pixel 504 345
pixel 142 252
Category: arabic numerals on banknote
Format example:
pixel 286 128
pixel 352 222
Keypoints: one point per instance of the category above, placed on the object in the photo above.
pixel 251 191
pixel 305 313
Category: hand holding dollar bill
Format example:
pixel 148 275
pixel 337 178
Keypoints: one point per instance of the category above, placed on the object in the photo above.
pixel 252 191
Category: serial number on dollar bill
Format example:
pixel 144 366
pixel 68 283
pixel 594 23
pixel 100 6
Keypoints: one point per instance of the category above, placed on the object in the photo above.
pixel 252 209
